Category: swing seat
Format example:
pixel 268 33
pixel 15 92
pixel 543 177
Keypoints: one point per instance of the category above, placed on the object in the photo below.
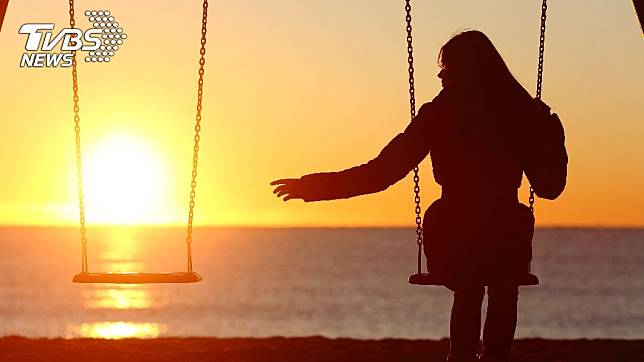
pixel 137 278
pixel 430 279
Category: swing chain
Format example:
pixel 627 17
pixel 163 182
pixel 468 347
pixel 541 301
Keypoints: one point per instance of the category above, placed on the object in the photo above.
pixel 412 111
pixel 79 161
pixel 197 137
pixel 542 42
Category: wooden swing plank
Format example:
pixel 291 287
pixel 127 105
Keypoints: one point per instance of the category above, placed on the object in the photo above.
pixel 137 278
pixel 430 279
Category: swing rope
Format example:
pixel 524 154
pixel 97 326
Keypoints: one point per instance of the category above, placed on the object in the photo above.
pixel 79 161
pixel 196 139
pixel 412 113
pixel 542 43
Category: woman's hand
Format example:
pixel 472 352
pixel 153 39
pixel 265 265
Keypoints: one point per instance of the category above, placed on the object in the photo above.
pixel 290 188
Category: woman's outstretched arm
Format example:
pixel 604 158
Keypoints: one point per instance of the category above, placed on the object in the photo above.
pixel 393 163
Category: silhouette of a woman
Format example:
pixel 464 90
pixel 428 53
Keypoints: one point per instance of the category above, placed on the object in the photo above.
pixel 477 234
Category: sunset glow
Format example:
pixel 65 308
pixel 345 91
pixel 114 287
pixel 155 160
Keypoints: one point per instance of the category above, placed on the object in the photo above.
pixel 126 182
pixel 292 88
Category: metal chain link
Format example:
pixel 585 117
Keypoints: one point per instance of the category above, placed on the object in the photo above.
pixel 542 43
pixel 412 113
pixel 195 155
pixel 79 161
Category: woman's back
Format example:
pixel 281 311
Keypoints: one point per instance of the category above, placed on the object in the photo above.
pixel 477 233
pixel 475 146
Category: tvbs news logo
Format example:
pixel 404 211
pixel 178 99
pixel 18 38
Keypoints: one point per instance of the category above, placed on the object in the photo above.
pixel 101 42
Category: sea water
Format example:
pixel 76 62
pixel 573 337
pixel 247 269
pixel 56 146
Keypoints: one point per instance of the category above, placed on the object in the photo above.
pixel 349 282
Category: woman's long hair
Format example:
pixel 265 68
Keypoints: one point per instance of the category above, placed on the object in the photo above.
pixel 476 67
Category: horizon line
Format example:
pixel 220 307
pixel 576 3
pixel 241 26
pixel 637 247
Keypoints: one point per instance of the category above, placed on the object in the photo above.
pixel 294 226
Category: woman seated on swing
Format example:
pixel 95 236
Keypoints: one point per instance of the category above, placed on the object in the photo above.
pixel 477 234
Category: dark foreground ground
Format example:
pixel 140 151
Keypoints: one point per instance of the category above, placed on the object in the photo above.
pixel 308 349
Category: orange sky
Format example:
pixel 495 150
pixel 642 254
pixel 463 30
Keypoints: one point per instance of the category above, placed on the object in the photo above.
pixel 294 87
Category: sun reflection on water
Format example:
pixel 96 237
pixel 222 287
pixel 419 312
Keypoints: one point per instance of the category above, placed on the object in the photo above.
pixel 121 245
pixel 115 330
pixel 114 298
pixel 121 253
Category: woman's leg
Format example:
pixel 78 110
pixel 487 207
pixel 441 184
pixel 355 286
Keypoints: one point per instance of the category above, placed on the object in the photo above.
pixel 500 323
pixel 465 324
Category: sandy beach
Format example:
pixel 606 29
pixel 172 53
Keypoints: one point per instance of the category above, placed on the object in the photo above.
pixel 301 349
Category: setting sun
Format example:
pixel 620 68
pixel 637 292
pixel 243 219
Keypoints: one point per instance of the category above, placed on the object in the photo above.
pixel 126 182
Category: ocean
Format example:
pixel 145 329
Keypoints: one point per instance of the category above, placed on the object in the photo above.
pixel 335 282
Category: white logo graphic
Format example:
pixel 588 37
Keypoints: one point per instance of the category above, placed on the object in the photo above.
pixel 101 42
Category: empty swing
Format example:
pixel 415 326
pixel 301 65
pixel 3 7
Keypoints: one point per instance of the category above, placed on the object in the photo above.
pixel 188 276
pixel 420 278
